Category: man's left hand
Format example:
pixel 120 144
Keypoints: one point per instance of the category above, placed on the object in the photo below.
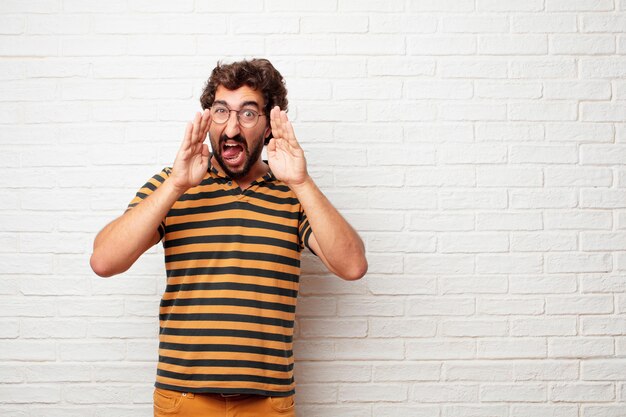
pixel 284 154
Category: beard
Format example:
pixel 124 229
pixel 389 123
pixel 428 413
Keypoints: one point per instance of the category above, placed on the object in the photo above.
pixel 251 156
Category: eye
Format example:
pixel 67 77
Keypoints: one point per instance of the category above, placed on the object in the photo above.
pixel 219 110
pixel 247 114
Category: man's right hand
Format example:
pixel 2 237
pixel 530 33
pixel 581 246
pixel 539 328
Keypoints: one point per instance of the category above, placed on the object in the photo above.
pixel 192 160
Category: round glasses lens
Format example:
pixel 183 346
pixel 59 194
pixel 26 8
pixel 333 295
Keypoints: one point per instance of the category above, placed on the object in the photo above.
pixel 219 114
pixel 248 117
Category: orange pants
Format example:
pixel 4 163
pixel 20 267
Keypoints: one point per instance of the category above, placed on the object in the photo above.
pixel 183 404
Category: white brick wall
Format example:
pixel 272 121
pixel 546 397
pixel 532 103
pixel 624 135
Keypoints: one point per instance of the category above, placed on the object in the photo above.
pixel 479 146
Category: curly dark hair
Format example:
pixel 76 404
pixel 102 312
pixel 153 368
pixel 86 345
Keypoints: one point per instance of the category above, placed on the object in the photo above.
pixel 258 74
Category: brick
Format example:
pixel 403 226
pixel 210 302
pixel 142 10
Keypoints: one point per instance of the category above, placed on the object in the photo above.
pixel 160 6
pixel 370 45
pixel 603 23
pixel 545 242
pixel 91 351
pixel 547 111
pixel 508 177
pixel 441 45
pixel 402 200
pixel 513 348
pixel 541 284
pixel 439 132
pixel 439 264
pixel 438 349
pixel 543 23
pixel 398 66
pixel 517 393
pixel 474 24
pixel 511 263
pixel 324 328
pixel 393 410
pixel 401 328
pixel 544 68
pixel 333 372
pixel 393 242
pixel 55 373
pixel 473 285
pixel 26 350
pixel 30 394
pixel 582 392
pixel 602 198
pixel 472 68
pixel 28 46
pixel 440 177
pixel 553 198
pixel 448 393
pixel 407 371
pixel 513 45
pixel 603 326
pixel 418 90
pixel 475 410
pixel 473 328
pixel 544 327
pixel 369 349
pixel 499 90
pixel 546 370
pixel 33 6
pixel 579 5
pixel 370 6
pixel 602 67
pixel 552 410
pixel 51 329
pixel 441 222
pixel 510 305
pixel 409 155
pixel 602 154
pixel 602 283
pixel 582 44
pixel 356 89
pixel 509 6
pixel 373 393
pixel 603 410
pixel 100 394
pixel 406 23
pixel 580 347
pixel 138 373
pixel 603 241
pixel 360 307
pixel 489 371
pixel 441 5
pixel 508 221
pixel 578 177
pixel 576 90
pixel 473 243
pixel 451 306
pixel 290 6
pixel 581 219
pixel 602 370
pixel 472 154
pixel 472 200
pixel 578 262
pixel 9 329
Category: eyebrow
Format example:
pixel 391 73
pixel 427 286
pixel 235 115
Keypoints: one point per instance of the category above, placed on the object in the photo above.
pixel 244 104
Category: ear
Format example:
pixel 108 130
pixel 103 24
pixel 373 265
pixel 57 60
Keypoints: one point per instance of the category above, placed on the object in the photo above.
pixel 268 131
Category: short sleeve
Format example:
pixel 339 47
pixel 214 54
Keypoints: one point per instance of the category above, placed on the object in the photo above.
pixel 147 189
pixel 304 232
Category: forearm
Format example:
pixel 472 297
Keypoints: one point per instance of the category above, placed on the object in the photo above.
pixel 342 248
pixel 121 242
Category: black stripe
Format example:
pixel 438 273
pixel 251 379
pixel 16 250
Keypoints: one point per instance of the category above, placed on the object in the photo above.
pixel 253 240
pixel 208 195
pixel 141 195
pixel 233 270
pixel 239 255
pixel 240 302
pixel 235 205
pixel 210 347
pixel 243 318
pixel 219 390
pixel 208 286
pixel 248 334
pixel 219 377
pixel 232 222
pixel 150 186
pixel 226 363
pixel 274 186
pixel 273 199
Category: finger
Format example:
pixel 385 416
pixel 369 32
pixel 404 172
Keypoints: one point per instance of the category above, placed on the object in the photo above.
pixel 206 128
pixel 196 126
pixel 187 138
pixel 274 122
pixel 204 121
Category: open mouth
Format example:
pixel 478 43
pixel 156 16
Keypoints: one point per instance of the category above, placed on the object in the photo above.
pixel 233 152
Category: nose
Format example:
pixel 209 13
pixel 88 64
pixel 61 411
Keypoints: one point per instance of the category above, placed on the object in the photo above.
pixel 232 125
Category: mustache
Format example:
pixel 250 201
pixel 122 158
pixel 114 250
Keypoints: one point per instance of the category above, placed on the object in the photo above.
pixel 238 138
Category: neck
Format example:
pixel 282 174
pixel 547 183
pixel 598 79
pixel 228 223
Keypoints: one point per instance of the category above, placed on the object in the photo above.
pixel 258 169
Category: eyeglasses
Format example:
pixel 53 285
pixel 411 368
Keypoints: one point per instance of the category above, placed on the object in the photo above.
pixel 246 117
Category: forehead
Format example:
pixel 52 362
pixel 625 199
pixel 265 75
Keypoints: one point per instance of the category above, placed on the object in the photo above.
pixel 235 98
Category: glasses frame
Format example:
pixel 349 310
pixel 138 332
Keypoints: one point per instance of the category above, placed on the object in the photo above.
pixel 258 116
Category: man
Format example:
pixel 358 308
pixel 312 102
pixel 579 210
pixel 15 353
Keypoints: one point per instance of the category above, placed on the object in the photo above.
pixel 233 228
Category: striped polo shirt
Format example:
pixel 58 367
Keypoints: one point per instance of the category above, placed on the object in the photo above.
pixel 232 258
